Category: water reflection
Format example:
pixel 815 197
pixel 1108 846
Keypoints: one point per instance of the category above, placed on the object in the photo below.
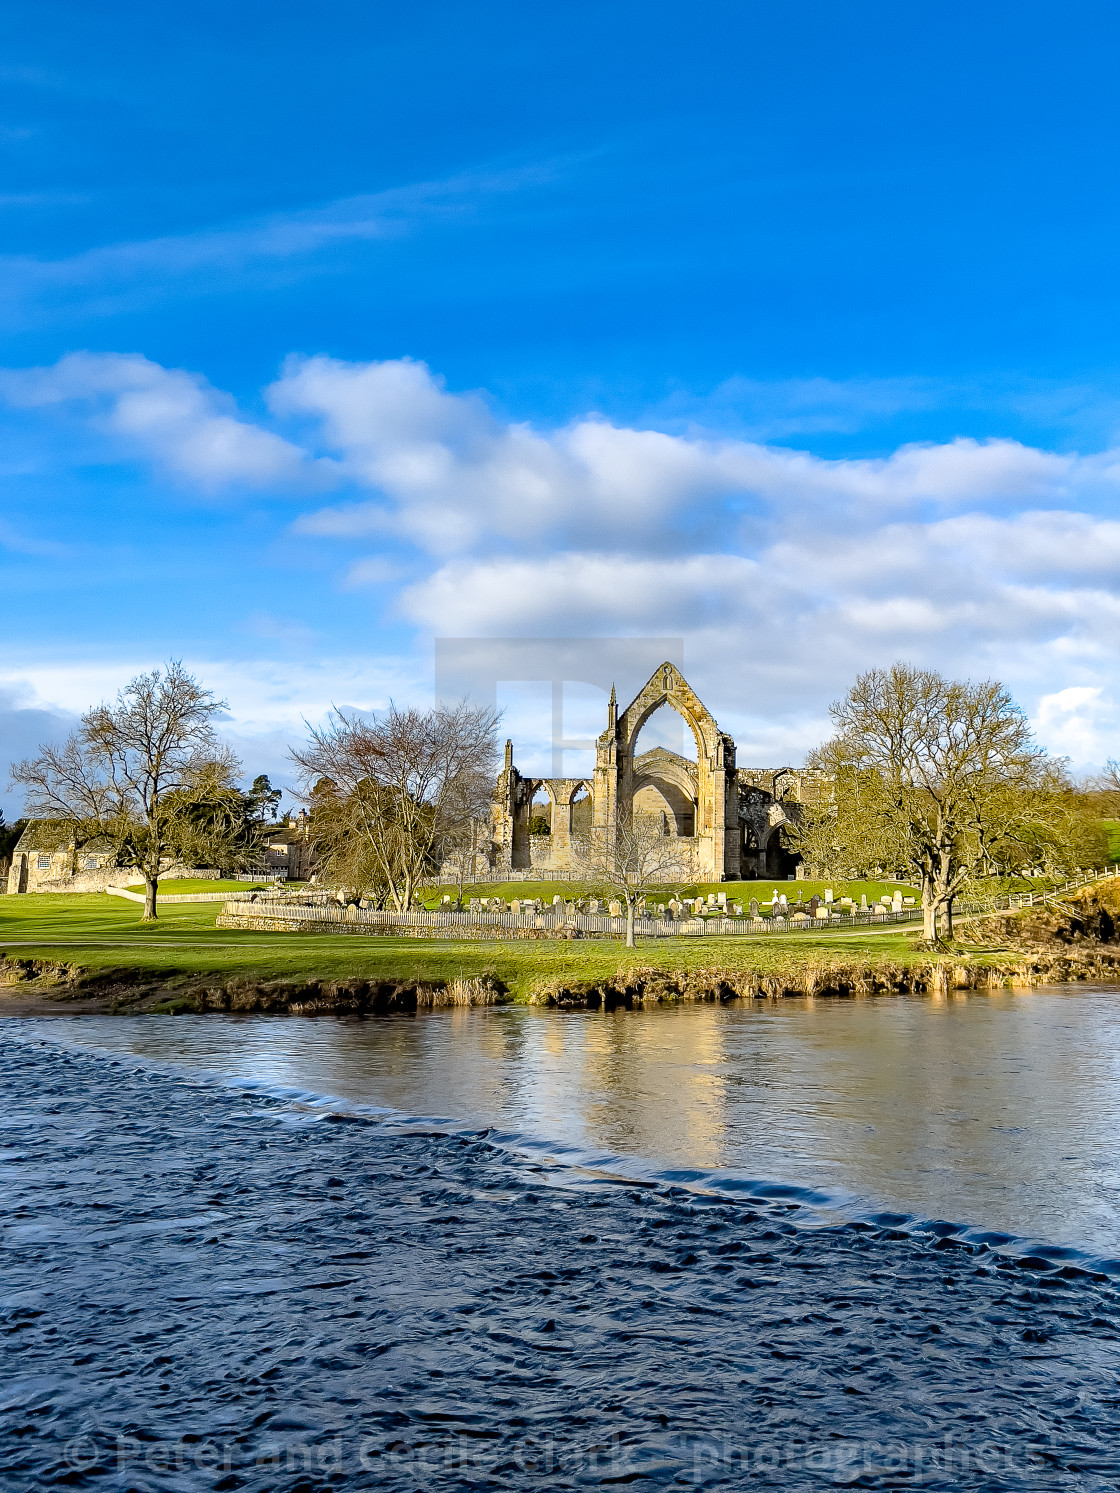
pixel 1000 1111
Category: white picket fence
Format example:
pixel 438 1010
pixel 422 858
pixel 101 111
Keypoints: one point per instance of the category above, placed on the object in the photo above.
pixel 164 897
pixel 1087 878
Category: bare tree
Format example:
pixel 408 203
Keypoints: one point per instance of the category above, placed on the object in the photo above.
pixel 940 778
pixel 132 771
pixel 643 856
pixel 391 790
pixel 466 836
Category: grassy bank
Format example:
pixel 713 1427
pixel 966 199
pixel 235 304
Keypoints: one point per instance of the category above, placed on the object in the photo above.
pixel 94 947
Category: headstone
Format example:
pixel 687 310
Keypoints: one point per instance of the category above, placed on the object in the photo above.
pixel 863 902
pixel 814 903
pixel 784 901
pixel 711 899
pixel 896 902
pixel 721 898
pixel 828 897
pixel 616 909
pixel 515 907
pixel 593 906
pixel 909 901
pixel 754 907
pixel 558 901
pixel 821 910
pixel 737 909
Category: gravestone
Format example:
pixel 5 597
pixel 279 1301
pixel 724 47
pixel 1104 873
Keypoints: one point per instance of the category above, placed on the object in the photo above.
pixel 515 908
pixel 828 894
pixel 593 907
pixel 616 909
pixel 754 907
pixel 863 902
pixel 721 898
pixel 558 901
pixel 711 899
pixel 896 902
pixel 737 909
pixel 814 903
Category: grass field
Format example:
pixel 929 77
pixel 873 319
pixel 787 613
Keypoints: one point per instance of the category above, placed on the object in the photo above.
pixel 100 933
pixel 177 886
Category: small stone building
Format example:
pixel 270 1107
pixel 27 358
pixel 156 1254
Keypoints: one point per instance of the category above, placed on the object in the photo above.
pixel 46 859
pixel 288 847
pixel 727 819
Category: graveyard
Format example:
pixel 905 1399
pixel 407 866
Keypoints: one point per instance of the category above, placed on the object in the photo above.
pixel 746 899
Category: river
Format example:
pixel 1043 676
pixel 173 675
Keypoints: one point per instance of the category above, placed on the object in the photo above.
pixel 794 1245
pixel 998 1111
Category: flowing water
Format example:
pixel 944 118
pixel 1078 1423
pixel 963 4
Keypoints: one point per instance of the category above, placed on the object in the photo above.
pixel 999 1111
pixel 801 1244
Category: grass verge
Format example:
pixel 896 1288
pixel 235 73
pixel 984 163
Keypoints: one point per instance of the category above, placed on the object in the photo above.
pixel 86 947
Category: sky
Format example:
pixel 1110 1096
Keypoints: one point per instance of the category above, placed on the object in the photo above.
pixel 786 330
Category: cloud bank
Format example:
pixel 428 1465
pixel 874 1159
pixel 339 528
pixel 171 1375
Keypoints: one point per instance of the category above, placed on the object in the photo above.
pixel 787 572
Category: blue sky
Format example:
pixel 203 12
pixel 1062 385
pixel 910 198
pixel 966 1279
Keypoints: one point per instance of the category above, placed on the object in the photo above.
pixel 791 330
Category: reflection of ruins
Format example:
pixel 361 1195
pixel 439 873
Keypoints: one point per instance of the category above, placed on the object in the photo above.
pixel 728 820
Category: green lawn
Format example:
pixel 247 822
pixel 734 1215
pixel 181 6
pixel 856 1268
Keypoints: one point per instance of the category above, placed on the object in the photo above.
pixel 101 933
pixel 176 887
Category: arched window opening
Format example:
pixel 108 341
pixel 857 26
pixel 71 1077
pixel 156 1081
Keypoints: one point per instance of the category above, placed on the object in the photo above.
pixel 581 812
pixel 540 813
pixel 668 729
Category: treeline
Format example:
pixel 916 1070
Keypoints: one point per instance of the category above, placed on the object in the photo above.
pixel 937 779
pixel 148 780
pixel 942 781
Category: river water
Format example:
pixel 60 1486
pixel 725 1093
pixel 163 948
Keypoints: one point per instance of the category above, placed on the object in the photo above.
pixel 799 1245
pixel 997 1111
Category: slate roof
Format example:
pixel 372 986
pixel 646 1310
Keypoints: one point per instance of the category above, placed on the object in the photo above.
pixel 55 834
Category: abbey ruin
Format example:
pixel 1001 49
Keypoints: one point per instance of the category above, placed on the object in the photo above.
pixel 728 820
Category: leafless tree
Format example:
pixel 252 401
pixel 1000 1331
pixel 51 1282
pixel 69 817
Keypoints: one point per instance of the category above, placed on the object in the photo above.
pixel 131 772
pixel 390 791
pixel 642 857
pixel 940 778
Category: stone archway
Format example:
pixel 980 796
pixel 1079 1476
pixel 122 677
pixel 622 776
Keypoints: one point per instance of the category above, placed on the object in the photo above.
pixel 716 829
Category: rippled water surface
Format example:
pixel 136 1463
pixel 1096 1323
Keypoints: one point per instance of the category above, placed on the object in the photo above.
pixel 1001 1111
pixel 207 1289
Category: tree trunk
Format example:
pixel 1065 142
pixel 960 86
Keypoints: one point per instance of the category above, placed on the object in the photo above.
pixel 151 884
pixel 948 918
pixel 929 915
pixel 630 925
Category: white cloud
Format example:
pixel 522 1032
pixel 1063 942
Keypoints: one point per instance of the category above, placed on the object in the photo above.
pixel 787 573
pixel 1079 722
pixel 452 476
pixel 175 418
